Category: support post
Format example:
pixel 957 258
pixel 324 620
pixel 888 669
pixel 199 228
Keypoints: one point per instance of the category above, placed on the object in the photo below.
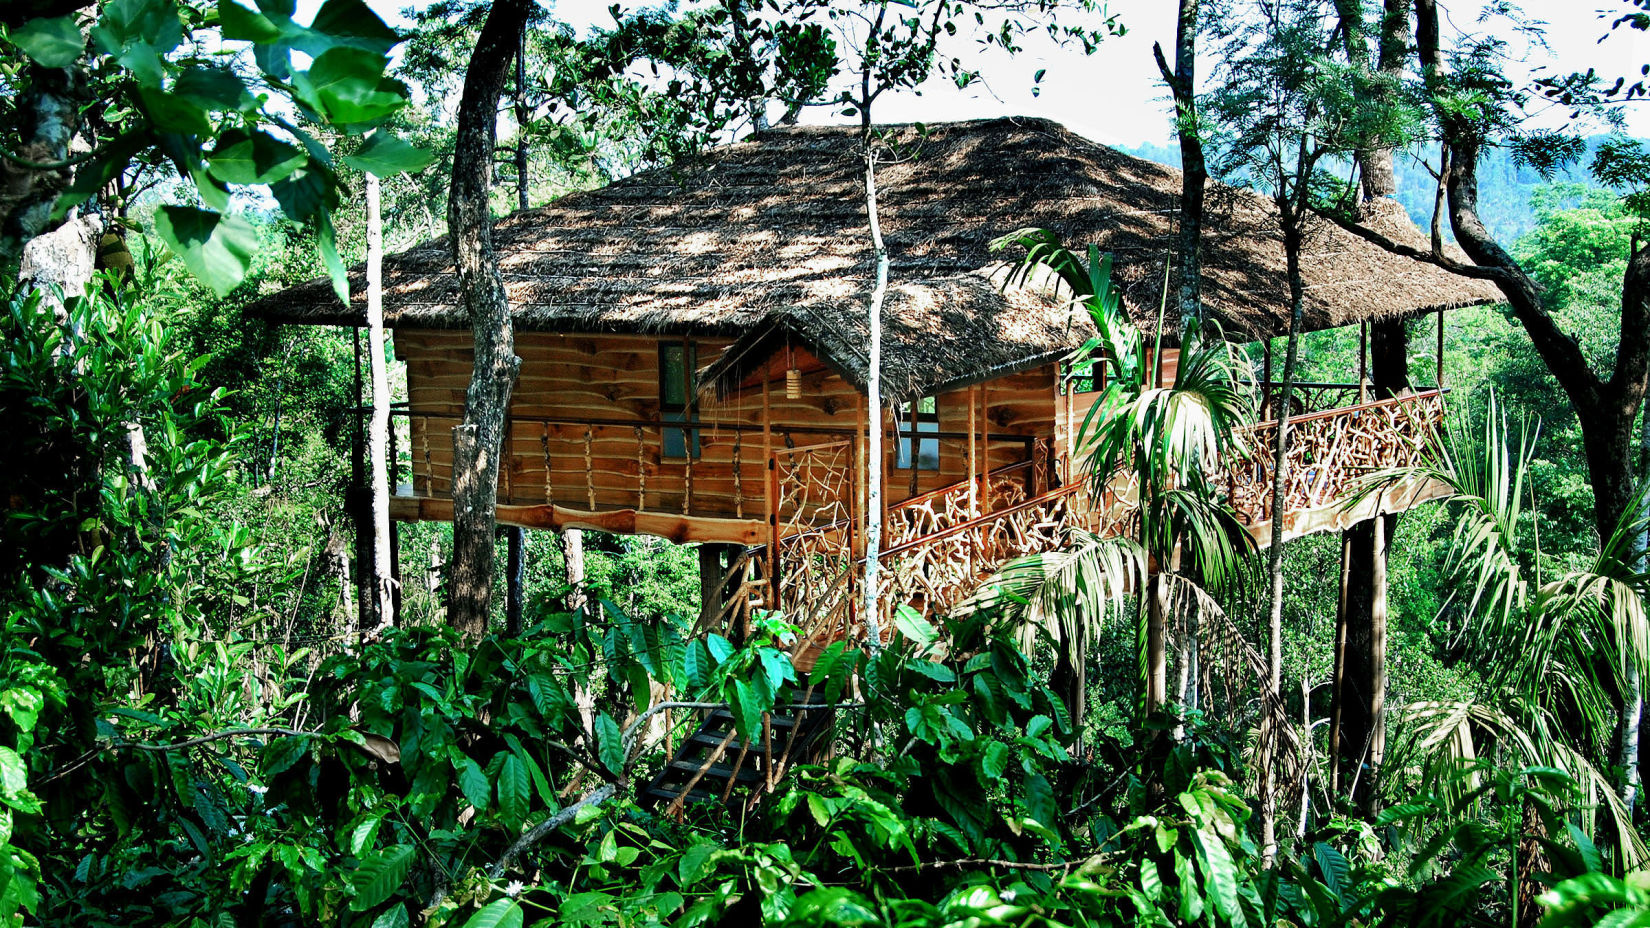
pixel 1439 360
pixel 1337 683
pixel 515 573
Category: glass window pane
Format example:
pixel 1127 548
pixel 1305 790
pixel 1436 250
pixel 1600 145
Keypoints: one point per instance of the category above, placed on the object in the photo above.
pixel 672 376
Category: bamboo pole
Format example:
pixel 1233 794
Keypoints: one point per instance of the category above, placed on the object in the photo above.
pixel 973 458
pixel 1363 361
pixel 769 491
pixel 1440 359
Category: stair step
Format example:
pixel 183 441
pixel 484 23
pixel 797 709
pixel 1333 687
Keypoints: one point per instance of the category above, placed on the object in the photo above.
pixel 663 795
pixel 724 716
pixel 747 773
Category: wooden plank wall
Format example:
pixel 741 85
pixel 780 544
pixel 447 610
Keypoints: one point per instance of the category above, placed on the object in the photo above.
pixel 615 378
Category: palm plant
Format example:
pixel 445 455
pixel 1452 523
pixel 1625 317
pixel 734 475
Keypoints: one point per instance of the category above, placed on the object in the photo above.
pixel 1150 450
pixel 1550 651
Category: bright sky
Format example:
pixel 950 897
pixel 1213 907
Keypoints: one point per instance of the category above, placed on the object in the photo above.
pixel 1115 96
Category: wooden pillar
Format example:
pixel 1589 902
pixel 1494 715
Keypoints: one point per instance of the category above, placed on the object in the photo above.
pixel 1363 362
pixel 1440 354
pixel 973 457
pixel 515 574
pixel 1337 692
pixel 714 560
pixel 1362 736
pixel 770 490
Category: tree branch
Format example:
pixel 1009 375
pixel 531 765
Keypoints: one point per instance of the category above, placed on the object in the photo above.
pixel 1438 259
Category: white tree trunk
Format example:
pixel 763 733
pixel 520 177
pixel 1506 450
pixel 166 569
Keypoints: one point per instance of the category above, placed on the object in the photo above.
pixel 873 388
pixel 378 431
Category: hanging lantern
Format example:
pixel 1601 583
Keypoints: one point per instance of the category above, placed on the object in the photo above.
pixel 793 377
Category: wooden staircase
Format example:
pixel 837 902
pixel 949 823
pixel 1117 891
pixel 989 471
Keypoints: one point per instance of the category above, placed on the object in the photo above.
pixel 714 761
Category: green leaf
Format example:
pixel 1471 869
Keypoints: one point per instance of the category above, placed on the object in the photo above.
pixel 255 157
pixel 242 25
pixel 609 743
pixel 217 248
pixel 913 626
pixel 52 43
pixel 392 918
pixel 137 33
pixel 748 706
pixel 500 913
pixel 515 787
pixel 353 23
pixel 720 648
pixel 174 114
pixel 377 877
pixel 215 89
pixel 14 774
pixel 384 154
pixel 995 762
pixel 1217 866
pixel 472 782
pixel 348 87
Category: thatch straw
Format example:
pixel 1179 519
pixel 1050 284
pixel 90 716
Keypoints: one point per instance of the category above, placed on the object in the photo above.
pixel 769 236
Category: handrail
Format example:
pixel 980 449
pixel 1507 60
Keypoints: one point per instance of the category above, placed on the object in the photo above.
pixel 1346 410
pixel 978 521
pixel 702 424
pixel 921 498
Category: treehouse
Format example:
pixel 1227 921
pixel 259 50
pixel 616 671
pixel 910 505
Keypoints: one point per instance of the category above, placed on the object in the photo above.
pixel 694 357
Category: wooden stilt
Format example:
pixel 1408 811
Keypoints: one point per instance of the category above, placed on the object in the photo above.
pixel 1440 354
pixel 1363 362
pixel 770 491
pixel 1337 682
pixel 515 574
pixel 973 459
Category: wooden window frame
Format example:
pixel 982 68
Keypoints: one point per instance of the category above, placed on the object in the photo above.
pixel 678 443
pixel 913 428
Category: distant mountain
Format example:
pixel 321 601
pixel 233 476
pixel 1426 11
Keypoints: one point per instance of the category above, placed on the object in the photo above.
pixel 1504 188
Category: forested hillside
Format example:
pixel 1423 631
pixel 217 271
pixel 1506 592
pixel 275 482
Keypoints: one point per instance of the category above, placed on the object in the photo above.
pixel 1210 557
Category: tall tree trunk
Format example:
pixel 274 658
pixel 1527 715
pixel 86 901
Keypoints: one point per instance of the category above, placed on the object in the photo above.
pixel 478 439
pixel 1270 737
pixel 1359 731
pixel 50 118
pixel 1607 410
pixel 515 537
pixel 1194 171
pixel 381 586
pixel 873 387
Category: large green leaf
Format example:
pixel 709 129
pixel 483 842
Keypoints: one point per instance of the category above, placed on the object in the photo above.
pixel 348 87
pixel 138 33
pixel 217 248
pixel 609 743
pixel 384 154
pixel 472 782
pixel 377 877
pixel 243 25
pixel 748 706
pixel 255 157
pixel 392 918
pixel 172 113
pixel 52 43
pixel 215 89
pixel 515 787
pixel 500 913
pixel 352 23
pixel 1221 873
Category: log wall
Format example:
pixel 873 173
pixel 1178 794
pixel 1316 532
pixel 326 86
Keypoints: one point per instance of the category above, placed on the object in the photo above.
pixel 586 433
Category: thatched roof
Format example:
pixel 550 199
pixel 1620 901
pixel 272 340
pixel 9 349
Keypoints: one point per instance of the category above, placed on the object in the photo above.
pixel 769 235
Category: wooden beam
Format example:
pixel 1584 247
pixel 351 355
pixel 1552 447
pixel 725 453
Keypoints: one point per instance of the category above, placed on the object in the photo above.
pixel 677 528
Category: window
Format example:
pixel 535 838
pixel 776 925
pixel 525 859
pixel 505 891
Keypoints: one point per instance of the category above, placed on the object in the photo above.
pixel 677 361
pixel 919 424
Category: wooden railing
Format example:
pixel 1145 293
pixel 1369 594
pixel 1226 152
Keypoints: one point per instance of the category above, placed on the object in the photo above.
pixel 1329 452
